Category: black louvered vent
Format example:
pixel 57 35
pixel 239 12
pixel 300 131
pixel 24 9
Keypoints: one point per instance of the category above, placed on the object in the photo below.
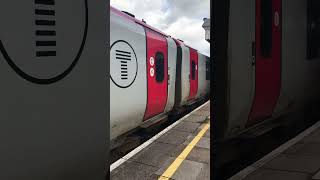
pixel 45 21
pixel 123 57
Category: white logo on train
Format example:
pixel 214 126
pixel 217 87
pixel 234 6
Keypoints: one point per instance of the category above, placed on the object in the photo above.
pixel 41 45
pixel 151 72
pixel 151 64
pixel 123 64
pixel 151 61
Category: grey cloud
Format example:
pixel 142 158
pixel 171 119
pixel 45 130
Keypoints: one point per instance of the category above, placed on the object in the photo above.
pixel 188 8
pixel 179 18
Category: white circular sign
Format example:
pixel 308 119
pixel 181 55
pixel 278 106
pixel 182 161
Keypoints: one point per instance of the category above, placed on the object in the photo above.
pixel 41 44
pixel 151 72
pixel 151 61
pixel 123 64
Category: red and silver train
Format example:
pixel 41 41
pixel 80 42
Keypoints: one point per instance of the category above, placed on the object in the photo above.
pixel 273 65
pixel 152 75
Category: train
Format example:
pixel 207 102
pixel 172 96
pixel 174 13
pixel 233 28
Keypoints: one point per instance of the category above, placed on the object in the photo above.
pixel 268 75
pixel 152 75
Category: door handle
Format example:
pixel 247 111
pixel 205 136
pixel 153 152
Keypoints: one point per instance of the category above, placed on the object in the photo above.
pixel 253 53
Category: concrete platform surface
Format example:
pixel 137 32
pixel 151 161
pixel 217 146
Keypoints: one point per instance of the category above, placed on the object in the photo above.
pixel 181 153
pixel 297 159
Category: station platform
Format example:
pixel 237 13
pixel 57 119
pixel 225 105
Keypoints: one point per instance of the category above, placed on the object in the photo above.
pixel 181 151
pixel 297 159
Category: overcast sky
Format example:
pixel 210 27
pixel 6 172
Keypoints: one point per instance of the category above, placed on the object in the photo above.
pixel 181 19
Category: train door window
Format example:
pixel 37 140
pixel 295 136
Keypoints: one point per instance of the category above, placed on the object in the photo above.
pixel 159 67
pixel 207 70
pixel 266 28
pixel 313 29
pixel 193 70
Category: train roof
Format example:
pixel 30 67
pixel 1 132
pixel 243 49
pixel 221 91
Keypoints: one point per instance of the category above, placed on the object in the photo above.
pixel 120 13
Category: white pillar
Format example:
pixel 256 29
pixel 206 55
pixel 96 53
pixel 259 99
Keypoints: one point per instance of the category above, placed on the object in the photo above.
pixel 206 27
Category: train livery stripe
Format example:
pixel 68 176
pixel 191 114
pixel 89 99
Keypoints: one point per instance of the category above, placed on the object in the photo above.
pixel 268 60
pixel 193 74
pixel 157 73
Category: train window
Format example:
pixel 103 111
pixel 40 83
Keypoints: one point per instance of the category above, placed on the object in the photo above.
pixel 193 70
pixel 313 29
pixel 208 70
pixel 159 67
pixel 266 28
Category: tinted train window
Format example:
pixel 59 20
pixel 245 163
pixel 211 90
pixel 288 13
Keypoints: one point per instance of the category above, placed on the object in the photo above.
pixel 193 70
pixel 266 27
pixel 207 70
pixel 159 67
pixel 313 29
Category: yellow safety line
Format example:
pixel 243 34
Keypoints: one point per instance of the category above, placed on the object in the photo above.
pixel 177 162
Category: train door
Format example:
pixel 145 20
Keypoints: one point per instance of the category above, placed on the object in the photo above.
pixel 172 61
pixel 193 74
pixel 267 54
pixel 157 73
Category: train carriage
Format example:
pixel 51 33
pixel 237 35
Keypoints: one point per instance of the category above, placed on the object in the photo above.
pixel 272 64
pixel 152 74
